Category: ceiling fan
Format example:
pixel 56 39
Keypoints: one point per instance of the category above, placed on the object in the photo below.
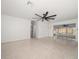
pixel 45 16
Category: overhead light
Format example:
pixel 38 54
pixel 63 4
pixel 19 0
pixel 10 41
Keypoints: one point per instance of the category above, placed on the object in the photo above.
pixel 29 2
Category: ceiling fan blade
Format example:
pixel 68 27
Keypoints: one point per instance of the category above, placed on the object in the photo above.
pixel 38 15
pixel 35 18
pixel 45 14
pixel 52 16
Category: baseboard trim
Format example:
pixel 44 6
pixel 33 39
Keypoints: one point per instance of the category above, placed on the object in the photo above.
pixel 7 41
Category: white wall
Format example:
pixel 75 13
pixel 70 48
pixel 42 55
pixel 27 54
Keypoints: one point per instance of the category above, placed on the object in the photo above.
pixel 13 28
pixel 42 29
pixel 58 22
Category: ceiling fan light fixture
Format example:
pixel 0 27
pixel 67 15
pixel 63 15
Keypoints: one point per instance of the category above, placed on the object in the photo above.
pixel 29 3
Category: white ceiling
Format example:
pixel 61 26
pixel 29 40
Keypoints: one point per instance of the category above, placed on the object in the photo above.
pixel 65 9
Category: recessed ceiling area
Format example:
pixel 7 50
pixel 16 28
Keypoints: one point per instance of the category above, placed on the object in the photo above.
pixel 65 9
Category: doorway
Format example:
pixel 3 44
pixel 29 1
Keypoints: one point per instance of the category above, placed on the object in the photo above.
pixel 33 29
